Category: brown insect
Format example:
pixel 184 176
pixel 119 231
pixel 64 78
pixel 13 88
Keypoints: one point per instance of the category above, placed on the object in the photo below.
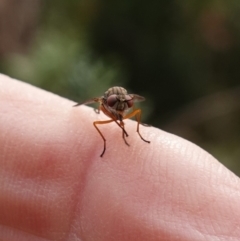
pixel 115 103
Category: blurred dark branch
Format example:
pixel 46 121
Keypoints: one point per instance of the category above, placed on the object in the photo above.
pixel 18 21
pixel 207 108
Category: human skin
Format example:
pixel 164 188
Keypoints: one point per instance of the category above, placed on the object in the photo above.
pixel 55 186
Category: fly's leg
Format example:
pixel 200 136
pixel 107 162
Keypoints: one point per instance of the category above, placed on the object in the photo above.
pixel 144 124
pixel 95 123
pixel 137 114
pixel 121 125
pixel 124 133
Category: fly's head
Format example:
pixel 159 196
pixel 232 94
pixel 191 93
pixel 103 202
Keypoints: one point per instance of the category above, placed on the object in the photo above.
pixel 117 99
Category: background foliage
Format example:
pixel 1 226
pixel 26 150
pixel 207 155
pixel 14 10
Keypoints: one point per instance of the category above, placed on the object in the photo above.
pixel 183 56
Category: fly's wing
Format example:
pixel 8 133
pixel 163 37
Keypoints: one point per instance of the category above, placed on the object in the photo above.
pixel 91 101
pixel 137 98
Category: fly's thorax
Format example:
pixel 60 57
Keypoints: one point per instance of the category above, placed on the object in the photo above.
pixel 115 90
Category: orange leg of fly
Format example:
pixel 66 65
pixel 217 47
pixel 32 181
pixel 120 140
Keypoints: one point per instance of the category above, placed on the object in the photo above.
pixel 121 125
pixel 137 114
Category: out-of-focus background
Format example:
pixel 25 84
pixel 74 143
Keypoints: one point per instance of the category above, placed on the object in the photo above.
pixel 183 56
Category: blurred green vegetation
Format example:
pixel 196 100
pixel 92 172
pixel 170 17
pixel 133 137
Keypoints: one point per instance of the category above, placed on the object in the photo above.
pixel 182 56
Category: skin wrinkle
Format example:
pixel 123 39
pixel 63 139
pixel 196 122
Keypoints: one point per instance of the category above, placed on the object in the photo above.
pixel 130 205
pixel 19 168
pixel 76 207
pixel 196 213
pixel 211 204
pixel 80 189
pixel 10 233
pixel 170 179
pixel 23 146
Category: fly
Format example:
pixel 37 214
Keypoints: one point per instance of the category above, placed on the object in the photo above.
pixel 115 104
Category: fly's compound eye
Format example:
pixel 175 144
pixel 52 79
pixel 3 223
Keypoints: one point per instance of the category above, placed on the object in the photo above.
pixel 112 100
pixel 129 101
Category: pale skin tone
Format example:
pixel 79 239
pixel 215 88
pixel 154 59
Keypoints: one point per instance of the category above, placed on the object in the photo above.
pixel 54 185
